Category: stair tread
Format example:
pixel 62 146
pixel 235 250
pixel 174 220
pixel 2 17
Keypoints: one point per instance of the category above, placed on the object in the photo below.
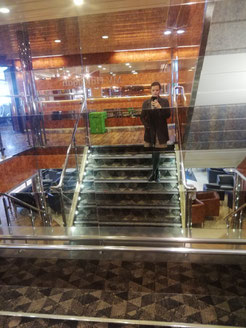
pixel 134 192
pixel 128 168
pixel 129 181
pixel 129 156
pixel 153 207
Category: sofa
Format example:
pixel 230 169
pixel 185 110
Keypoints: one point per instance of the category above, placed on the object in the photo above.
pixel 211 200
pixel 198 212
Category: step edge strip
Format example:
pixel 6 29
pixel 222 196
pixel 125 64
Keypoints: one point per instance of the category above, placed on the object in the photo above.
pixel 108 320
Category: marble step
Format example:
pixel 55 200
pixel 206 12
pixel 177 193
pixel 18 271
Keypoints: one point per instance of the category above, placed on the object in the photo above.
pixel 130 162
pixel 130 155
pixel 127 223
pixel 125 215
pixel 127 168
pixel 128 199
pixel 133 180
pixel 124 149
pixel 129 187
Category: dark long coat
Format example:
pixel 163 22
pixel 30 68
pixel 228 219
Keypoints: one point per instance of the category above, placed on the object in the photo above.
pixel 154 121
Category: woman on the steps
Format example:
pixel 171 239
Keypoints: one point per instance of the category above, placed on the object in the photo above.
pixel 155 111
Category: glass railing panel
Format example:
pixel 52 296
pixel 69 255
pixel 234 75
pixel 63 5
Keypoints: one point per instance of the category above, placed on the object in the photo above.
pixel 217 127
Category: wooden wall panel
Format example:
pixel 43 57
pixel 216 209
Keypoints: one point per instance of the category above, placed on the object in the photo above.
pixel 15 170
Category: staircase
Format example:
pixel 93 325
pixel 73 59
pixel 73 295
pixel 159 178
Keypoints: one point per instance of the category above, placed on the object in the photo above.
pixel 115 189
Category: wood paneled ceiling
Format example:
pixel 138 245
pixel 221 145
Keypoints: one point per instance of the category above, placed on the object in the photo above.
pixel 127 30
pixel 35 10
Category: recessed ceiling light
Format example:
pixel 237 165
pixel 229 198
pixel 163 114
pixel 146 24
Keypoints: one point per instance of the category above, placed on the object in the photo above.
pixel 104 68
pixel 87 76
pixel 127 64
pixel 68 71
pixel 4 10
pixel 111 73
pixel 167 32
pixel 57 41
pixel 99 66
pixel 135 72
pixel 105 37
pixel 180 31
pixel 130 66
pixel 78 2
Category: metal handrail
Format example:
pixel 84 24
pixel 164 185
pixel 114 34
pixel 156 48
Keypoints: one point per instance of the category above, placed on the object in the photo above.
pixel 240 174
pixel 22 203
pixel 188 187
pixel 125 238
pixel 234 212
pixel 68 150
pixel 143 249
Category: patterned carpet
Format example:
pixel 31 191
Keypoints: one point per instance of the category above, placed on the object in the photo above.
pixel 181 292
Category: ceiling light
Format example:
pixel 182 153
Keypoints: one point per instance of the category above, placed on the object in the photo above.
pixel 127 64
pixel 111 73
pixel 167 32
pixel 4 10
pixel 99 66
pixel 57 41
pixel 135 72
pixel 87 76
pixel 130 66
pixel 180 31
pixel 105 37
pixel 57 75
pixel 104 68
pixel 78 2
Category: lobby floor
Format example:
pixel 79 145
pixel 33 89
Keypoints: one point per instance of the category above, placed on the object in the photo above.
pixel 16 142
pixel 169 292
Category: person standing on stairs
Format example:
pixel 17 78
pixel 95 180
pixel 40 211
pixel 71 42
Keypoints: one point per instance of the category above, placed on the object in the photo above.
pixel 155 112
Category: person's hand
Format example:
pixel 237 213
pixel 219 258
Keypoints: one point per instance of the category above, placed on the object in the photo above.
pixel 156 104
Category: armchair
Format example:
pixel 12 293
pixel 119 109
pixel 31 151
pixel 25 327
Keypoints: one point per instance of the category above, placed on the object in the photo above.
pixel 214 187
pixel 213 173
pixel 198 212
pixel 226 181
pixel 211 201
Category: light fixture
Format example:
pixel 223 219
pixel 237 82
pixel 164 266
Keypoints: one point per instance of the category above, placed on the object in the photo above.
pixel 4 10
pixel 68 71
pixel 127 64
pixel 105 37
pixel 57 41
pixel 57 75
pixel 104 68
pixel 87 76
pixel 99 66
pixel 167 32
pixel 111 73
pixel 130 66
pixel 78 2
pixel 180 31
pixel 135 72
